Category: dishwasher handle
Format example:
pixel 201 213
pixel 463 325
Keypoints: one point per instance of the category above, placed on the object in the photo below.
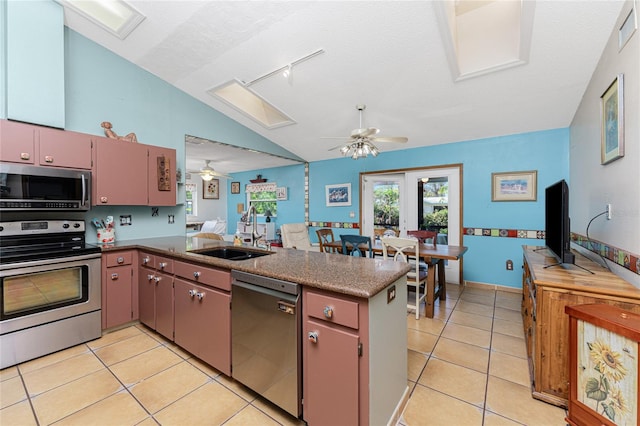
pixel 289 298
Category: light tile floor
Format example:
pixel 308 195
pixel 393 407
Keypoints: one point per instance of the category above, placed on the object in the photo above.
pixel 467 366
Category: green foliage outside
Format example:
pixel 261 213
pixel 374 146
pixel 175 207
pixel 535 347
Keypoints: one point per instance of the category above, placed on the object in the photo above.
pixel 437 218
pixel 265 200
pixel 385 207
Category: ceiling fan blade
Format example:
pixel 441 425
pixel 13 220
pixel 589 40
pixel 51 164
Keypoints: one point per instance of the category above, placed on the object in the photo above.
pixel 364 133
pixel 335 137
pixel 396 139
pixel 336 147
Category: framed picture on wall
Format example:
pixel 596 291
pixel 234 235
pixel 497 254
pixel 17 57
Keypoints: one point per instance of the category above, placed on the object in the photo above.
pixel 281 193
pixel 338 194
pixel 612 122
pixel 514 186
pixel 211 189
pixel 235 187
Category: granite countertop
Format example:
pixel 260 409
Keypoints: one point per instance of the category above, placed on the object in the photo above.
pixel 360 277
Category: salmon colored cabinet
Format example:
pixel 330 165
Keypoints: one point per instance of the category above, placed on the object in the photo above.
pixel 119 289
pixel 127 173
pixel 203 323
pixel 28 144
pixel 155 297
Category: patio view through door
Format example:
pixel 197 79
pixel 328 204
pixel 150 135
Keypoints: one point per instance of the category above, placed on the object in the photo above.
pixel 415 199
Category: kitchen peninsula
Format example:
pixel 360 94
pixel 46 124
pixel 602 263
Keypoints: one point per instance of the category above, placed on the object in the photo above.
pixel 352 327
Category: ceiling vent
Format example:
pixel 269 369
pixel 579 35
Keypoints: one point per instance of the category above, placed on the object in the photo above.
pixel 481 37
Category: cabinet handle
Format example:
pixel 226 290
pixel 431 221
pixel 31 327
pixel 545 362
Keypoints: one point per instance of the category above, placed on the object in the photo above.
pixel 25 156
pixel 313 336
pixel 114 276
pixel 48 159
pixel 200 296
pixel 120 260
pixel 196 274
pixel 192 293
pixel 145 260
pixel 328 312
pixel 150 277
pixel 162 265
pixel 157 279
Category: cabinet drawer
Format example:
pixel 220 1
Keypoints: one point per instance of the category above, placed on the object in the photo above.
pixel 164 264
pixel 119 259
pixel 204 275
pixel 331 309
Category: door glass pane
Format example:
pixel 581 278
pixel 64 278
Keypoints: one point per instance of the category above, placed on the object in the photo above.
pixel 435 204
pixel 386 207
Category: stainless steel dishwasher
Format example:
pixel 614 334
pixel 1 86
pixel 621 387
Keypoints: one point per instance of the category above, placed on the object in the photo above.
pixel 266 351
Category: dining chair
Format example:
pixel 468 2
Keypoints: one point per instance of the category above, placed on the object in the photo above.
pixel 424 236
pixel 397 248
pixel 325 235
pixel 352 245
pixel 295 235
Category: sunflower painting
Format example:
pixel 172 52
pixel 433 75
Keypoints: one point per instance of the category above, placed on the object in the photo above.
pixel 607 376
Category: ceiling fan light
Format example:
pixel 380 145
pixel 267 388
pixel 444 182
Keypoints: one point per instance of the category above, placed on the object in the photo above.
pixel 206 177
pixel 345 149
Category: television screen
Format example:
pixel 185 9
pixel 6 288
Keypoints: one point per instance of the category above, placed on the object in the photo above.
pixel 557 228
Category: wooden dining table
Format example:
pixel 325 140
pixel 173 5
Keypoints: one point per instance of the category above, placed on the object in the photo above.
pixel 435 258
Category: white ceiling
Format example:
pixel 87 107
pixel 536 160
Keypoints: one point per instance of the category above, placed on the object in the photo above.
pixel 388 55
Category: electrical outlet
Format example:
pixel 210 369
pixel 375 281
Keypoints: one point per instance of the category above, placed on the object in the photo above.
pixel 609 214
pixel 509 265
pixel 391 293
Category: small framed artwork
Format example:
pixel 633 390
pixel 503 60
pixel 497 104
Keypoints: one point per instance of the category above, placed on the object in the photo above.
pixel 612 122
pixel 514 186
pixel 281 193
pixel 235 187
pixel 338 194
pixel 211 189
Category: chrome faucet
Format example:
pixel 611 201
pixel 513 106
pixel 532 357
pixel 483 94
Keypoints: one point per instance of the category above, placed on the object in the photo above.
pixel 255 236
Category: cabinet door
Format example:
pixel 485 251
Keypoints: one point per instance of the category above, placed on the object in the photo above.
pixel 331 376
pixel 118 303
pixel 17 142
pixel 164 304
pixel 203 323
pixel 162 176
pixel 65 149
pixel 119 173
pixel 146 297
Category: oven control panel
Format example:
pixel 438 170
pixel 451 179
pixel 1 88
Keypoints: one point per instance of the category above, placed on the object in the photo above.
pixel 41 227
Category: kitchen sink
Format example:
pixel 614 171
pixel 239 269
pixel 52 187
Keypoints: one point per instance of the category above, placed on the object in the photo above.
pixel 233 253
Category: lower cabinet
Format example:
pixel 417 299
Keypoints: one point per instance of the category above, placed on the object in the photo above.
pixel 156 294
pixel 119 289
pixel 203 323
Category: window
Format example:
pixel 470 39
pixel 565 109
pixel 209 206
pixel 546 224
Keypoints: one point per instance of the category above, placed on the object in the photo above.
pixel 263 198
pixel 191 199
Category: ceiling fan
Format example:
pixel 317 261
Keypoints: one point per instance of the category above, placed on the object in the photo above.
pixel 207 172
pixel 361 141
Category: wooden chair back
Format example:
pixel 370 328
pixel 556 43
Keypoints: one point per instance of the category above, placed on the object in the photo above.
pixel 424 236
pixel 209 235
pixel 325 235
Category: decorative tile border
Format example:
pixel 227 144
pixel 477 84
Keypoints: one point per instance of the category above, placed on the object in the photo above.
pixel 505 233
pixel 616 255
pixel 349 225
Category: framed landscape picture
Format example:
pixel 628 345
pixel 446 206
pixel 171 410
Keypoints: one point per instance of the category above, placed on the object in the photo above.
pixel 338 194
pixel 211 189
pixel 514 186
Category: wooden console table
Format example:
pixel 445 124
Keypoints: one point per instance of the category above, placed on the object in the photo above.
pixel 546 292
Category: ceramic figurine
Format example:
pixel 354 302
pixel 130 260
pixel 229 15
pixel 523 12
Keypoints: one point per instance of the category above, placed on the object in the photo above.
pixel 131 137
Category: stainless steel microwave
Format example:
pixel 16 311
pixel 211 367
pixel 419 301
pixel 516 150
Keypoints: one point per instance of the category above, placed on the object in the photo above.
pixel 25 187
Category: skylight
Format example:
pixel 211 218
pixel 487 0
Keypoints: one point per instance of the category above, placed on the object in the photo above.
pixel 485 36
pixel 116 16
pixel 235 94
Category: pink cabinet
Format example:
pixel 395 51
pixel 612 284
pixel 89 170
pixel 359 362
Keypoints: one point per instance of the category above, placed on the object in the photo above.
pixel 28 144
pixel 119 289
pixel 203 323
pixel 332 360
pixel 126 173
pixel 155 294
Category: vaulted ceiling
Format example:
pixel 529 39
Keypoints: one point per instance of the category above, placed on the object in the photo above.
pixel 389 55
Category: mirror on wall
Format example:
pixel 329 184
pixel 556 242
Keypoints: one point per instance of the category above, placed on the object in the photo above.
pixel 207 200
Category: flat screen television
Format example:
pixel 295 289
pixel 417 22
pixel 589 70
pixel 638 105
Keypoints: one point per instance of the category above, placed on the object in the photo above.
pixel 556 222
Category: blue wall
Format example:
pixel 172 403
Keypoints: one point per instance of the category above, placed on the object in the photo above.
pixel 544 151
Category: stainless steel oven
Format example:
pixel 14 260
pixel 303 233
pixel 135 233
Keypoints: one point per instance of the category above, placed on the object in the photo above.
pixel 50 296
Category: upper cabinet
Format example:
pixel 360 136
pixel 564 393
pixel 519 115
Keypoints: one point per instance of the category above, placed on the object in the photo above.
pixel 133 174
pixel 29 144
pixel 35 62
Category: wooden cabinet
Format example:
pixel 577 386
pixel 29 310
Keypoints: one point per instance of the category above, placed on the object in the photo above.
pixel 29 144
pixel 332 350
pixel 119 289
pixel 126 173
pixel 203 313
pixel 156 293
pixel 546 293
pixel 35 89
